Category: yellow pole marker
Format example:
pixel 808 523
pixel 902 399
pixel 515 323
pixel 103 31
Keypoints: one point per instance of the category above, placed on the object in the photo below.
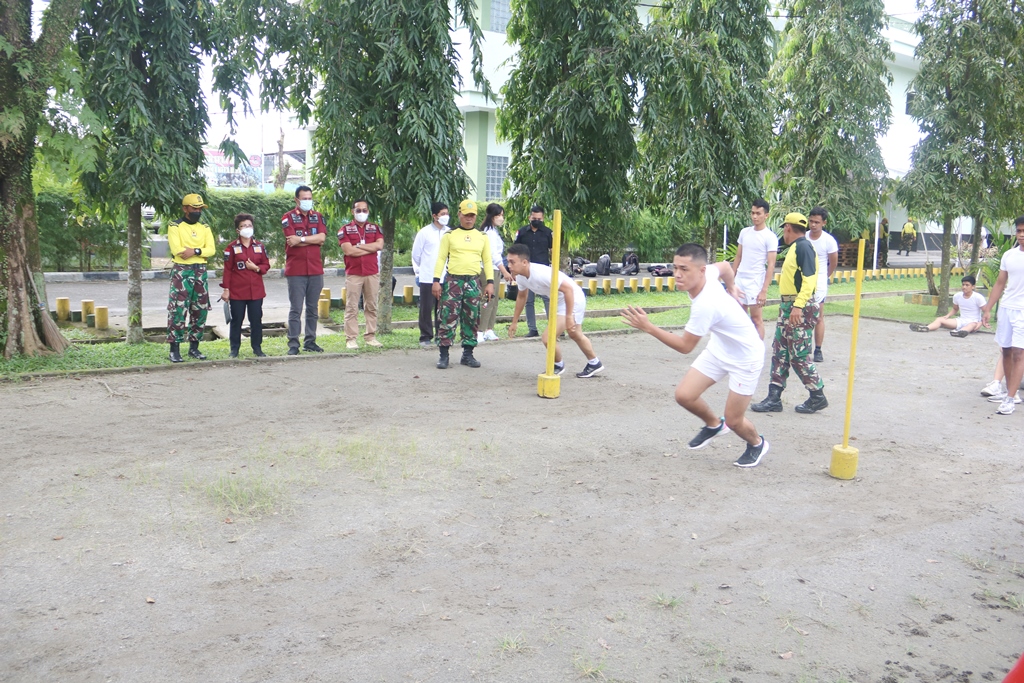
pixel 632 284
pixel 657 284
pixel 407 293
pixel 620 285
pixel 548 383
pixel 606 285
pixel 844 458
pixel 501 289
pixel 102 318
pixel 325 293
pixel 592 287
pixel 646 284
pixel 344 295
pixel 63 308
pixel 88 308
pixel 670 284
pixel 324 309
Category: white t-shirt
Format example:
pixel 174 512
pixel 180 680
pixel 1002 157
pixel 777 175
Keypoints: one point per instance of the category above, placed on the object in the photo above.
pixel 539 282
pixel 823 246
pixel 970 309
pixel 497 249
pixel 756 245
pixel 1013 263
pixel 734 338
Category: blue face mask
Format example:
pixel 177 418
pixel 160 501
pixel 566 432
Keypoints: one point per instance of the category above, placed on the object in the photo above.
pixel 306 204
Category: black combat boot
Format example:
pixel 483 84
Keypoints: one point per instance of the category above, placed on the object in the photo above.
pixel 467 357
pixel 772 403
pixel 442 363
pixel 193 351
pixel 815 402
pixel 258 352
pixel 176 353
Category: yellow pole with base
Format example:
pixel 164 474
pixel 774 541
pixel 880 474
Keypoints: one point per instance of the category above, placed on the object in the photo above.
pixel 844 458
pixel 549 384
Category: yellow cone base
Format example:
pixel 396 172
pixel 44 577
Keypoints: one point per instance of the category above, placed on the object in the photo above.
pixel 844 462
pixel 548 386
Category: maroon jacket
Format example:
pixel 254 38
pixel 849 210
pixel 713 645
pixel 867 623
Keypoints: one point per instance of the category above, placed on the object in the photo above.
pixel 242 283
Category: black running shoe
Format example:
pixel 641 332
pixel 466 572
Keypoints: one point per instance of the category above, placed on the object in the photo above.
pixel 818 358
pixel 559 368
pixel 752 456
pixel 312 348
pixel 958 333
pixel 706 434
pixel 591 370
pixel 533 333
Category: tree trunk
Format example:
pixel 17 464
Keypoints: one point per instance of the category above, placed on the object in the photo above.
pixel 135 335
pixel 976 245
pixel 387 262
pixel 947 233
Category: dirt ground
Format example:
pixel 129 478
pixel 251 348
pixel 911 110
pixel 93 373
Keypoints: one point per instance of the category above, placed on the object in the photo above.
pixel 408 524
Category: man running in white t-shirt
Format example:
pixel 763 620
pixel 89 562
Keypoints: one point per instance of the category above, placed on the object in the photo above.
pixel 827 249
pixel 754 264
pixel 1010 328
pixel 967 303
pixel 572 305
pixel 733 349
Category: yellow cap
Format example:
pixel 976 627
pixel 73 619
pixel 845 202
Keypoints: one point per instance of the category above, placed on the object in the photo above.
pixel 193 200
pixel 796 219
pixel 467 207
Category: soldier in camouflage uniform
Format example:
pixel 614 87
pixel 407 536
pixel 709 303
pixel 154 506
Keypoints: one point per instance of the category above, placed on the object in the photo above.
pixel 191 244
pixel 463 251
pixel 798 314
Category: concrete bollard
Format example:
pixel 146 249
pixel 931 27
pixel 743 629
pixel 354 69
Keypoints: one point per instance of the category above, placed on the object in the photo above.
pixel 344 296
pixel 670 284
pixel 407 294
pixel 658 284
pixel 102 318
pixel 633 284
pixel 88 308
pixel 63 308
pixel 325 293
pixel 620 284
pixel 592 287
pixel 501 289
pixel 646 284
pixel 606 285
pixel 324 309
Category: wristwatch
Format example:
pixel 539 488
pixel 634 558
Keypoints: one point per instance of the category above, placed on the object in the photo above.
pixel 302 239
pixel 198 251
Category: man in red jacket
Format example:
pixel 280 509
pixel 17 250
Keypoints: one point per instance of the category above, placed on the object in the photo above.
pixel 361 241
pixel 245 263
pixel 305 230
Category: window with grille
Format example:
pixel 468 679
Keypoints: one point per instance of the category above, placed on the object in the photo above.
pixel 497 169
pixel 500 14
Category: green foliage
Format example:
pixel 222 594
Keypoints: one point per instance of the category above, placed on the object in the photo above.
pixel 830 82
pixel 988 270
pixel 568 110
pixel 704 123
pixel 266 209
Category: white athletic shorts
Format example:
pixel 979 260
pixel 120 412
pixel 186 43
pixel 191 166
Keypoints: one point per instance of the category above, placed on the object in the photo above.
pixel 579 308
pixel 750 286
pixel 962 322
pixel 1010 328
pixel 742 377
pixel 820 293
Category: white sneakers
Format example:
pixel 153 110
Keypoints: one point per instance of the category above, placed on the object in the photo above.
pixel 1002 396
pixel 1006 406
pixel 480 338
pixel 489 335
pixel 993 388
pixel 351 344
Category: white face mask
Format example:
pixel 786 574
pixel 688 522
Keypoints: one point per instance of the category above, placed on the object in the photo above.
pixel 306 204
pixel 361 217
pixel 245 232
pixel 443 220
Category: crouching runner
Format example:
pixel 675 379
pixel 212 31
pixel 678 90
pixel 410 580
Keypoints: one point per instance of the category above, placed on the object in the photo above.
pixel 572 305
pixel 734 349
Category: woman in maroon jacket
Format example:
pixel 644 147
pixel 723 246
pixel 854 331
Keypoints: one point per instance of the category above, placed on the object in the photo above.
pixel 245 262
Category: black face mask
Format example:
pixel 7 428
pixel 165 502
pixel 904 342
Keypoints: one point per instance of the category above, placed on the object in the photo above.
pixel 537 223
pixel 193 216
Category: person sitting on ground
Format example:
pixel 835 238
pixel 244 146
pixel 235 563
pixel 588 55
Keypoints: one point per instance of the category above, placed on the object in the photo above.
pixel 572 305
pixel 967 303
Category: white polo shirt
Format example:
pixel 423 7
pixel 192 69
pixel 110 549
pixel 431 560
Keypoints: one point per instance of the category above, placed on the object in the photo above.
pixel 424 252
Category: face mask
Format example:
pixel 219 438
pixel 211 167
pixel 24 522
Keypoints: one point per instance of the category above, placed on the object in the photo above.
pixel 306 204
pixel 245 232
pixel 193 216
pixel 361 217
pixel 537 223
pixel 499 221
pixel 443 220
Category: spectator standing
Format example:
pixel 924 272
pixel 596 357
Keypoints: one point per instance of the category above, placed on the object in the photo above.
pixel 883 243
pixel 539 239
pixel 424 255
pixel 754 265
pixel 360 241
pixel 907 237
pixel 305 231
pixel 245 264
pixel 494 218
pixel 1009 287
pixel 827 250
pixel 463 252
pixel 794 330
pixel 191 244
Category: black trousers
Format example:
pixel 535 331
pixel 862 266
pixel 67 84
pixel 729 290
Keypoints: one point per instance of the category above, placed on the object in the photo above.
pixel 429 322
pixel 239 309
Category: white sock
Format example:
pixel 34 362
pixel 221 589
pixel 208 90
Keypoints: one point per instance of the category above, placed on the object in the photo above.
pixel 596 361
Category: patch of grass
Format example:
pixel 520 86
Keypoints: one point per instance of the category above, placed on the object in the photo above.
pixel 588 669
pixel 665 601
pixel 975 562
pixel 1014 601
pixel 921 601
pixel 249 495
pixel 509 645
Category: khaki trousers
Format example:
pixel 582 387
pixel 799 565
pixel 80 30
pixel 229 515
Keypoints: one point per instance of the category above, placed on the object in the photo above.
pixel 369 287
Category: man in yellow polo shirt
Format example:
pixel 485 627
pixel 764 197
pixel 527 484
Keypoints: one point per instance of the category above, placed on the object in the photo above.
pixel 907 237
pixel 191 244
pixel 463 252
pixel 798 314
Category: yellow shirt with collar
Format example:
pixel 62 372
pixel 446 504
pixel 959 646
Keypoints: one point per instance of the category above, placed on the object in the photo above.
pixel 183 235
pixel 465 252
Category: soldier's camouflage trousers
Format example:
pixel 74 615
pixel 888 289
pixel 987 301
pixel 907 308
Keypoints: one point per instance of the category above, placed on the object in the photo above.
pixel 460 307
pixel 188 297
pixel 792 347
